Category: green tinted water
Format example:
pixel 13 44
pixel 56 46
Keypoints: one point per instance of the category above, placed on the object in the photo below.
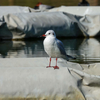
pixel 32 3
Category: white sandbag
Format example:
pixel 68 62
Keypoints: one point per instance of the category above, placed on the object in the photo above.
pixel 4 10
pixel 78 10
pixel 24 78
pixel 29 24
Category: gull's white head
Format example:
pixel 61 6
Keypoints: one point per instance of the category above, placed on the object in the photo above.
pixel 49 33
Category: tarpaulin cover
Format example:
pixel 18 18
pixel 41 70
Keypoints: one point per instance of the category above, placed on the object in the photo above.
pixel 24 22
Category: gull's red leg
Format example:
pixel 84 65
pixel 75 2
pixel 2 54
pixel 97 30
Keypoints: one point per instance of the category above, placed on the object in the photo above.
pixel 56 61
pixel 56 67
pixel 49 63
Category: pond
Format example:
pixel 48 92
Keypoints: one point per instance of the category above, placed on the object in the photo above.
pixel 85 50
pixel 56 3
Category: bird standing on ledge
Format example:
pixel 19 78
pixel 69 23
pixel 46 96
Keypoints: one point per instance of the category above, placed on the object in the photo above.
pixel 41 6
pixel 54 47
pixel 84 3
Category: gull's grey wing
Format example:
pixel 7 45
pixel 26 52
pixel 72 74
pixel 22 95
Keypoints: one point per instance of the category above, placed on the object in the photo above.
pixel 62 50
pixel 61 47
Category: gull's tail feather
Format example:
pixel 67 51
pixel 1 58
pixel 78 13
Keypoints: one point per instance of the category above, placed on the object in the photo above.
pixel 67 57
pixel 70 57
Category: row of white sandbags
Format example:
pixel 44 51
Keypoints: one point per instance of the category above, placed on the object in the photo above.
pixel 26 23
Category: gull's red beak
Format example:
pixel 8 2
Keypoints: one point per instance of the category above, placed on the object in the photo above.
pixel 43 35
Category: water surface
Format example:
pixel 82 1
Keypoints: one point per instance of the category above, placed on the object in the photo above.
pixel 56 3
pixel 85 50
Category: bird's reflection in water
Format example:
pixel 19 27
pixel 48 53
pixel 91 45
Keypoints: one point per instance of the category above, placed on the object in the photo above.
pixel 86 50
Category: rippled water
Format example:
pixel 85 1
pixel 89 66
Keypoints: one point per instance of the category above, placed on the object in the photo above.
pixel 85 50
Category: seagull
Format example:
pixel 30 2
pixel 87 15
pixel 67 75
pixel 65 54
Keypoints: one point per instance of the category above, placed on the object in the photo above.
pixel 84 3
pixel 54 47
pixel 41 6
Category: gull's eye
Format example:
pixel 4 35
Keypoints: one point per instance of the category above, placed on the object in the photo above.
pixel 53 33
pixel 49 33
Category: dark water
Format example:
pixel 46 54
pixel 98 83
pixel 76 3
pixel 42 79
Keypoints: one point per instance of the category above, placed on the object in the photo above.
pixel 56 3
pixel 86 50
